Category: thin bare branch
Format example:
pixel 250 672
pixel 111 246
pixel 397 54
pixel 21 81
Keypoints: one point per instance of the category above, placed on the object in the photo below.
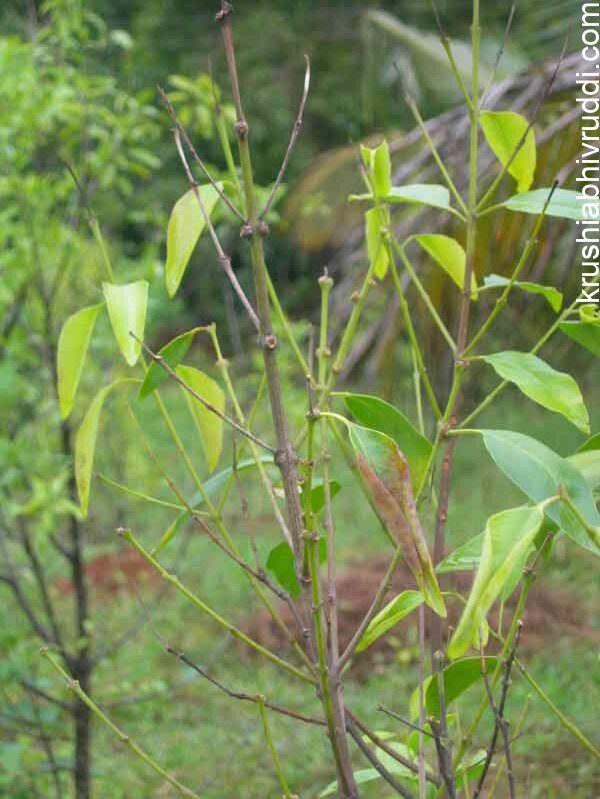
pixel 181 131
pixel 500 723
pixel 222 257
pixel 395 755
pixel 241 695
pixel 208 405
pixel 500 52
pixel 294 135
pixel 374 760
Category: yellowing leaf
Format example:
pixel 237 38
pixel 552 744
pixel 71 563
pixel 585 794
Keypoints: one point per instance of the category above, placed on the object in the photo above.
pixel 127 311
pixel 85 443
pixel 186 225
pixel 72 348
pixel 210 426
pixel 448 254
pixel 504 130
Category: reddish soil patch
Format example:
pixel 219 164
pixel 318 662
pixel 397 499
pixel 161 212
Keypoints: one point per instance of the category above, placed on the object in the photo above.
pixel 549 614
pixel 119 571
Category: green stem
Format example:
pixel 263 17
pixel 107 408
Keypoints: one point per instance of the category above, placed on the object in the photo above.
pixel 414 342
pixel 73 685
pixel 502 385
pixel 564 721
pixel 502 299
pixel 207 610
pixel 270 743
pixel 95 226
pixel 401 250
pixel 283 321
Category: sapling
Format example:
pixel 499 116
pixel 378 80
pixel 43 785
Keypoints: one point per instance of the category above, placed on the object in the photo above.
pixel 400 469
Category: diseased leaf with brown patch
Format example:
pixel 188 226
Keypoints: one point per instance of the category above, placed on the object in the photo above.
pixel 386 474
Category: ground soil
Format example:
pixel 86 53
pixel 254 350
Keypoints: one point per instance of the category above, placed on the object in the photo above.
pixel 551 613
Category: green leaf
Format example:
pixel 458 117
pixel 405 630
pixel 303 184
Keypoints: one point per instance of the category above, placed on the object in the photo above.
pixel 386 476
pixel 377 252
pixel 554 390
pixel 464 558
pixel 507 539
pixel 585 333
pixel 564 203
pixel 127 311
pixel 540 472
pixel 448 254
pixel 379 415
pixel 172 354
pixel 382 170
pixel 391 614
pixel 317 493
pixel 552 295
pixel 421 194
pixel 415 194
pixel 458 677
pixel 186 225
pixel 85 443
pixel 504 131
pixel 210 426
pixel 378 166
pixel 587 462
pixel 72 348
pixel 280 562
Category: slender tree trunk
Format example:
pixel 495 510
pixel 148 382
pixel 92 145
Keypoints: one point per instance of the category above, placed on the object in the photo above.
pixel 82 735
pixel 82 665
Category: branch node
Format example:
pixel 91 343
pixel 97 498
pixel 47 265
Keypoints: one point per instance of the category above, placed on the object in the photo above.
pixel 246 231
pixel 225 11
pixel 241 129
pixel 262 228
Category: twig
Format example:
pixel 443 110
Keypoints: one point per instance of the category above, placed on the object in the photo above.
pixel 222 257
pixel 181 131
pixel 404 761
pixel 500 52
pixel 421 730
pixel 292 142
pixel 500 723
pixel 375 762
pixel 208 405
pixel 176 583
pixel 392 714
pixel 384 587
pixel 440 729
pixel 543 96
pixel 241 695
